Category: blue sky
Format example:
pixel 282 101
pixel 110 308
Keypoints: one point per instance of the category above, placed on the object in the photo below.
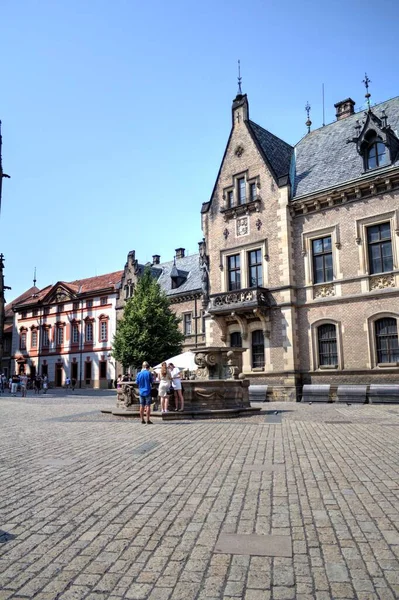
pixel 116 114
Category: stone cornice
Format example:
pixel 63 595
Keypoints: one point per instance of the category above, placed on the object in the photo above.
pixel 375 185
pixel 185 297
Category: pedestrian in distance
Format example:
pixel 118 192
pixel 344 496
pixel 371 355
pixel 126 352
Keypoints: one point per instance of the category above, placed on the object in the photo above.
pixel 73 383
pixel 176 384
pixel 24 384
pixel 67 383
pixel 2 382
pixel 14 384
pixel 45 384
pixel 144 383
pixel 165 380
pixel 38 383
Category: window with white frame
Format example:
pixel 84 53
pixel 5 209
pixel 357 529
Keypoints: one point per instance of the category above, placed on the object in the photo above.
pixel 245 266
pixel 89 332
pixel 321 257
pixel 60 335
pixel 75 333
pixel 34 338
pixel 103 300
pixel 103 331
pixel 46 339
pixel 22 340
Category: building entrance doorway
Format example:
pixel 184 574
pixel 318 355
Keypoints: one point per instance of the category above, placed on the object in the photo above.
pixel 58 375
pixel 88 373
pixel 32 372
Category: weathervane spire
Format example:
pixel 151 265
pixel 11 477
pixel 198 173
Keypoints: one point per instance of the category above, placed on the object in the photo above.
pixel 239 79
pixel 308 122
pixel 34 278
pixel 367 95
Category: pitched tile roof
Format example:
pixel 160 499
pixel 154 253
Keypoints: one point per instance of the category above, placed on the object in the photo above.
pixel 275 151
pixel 79 286
pixel 323 159
pixel 19 300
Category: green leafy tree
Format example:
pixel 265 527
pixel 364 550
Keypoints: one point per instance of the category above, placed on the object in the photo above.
pixel 149 329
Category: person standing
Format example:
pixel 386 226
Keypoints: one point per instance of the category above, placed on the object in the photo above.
pixel 2 380
pixel 165 379
pixel 176 384
pixel 73 383
pixel 14 384
pixel 144 382
pixel 38 382
pixel 24 384
pixel 45 384
pixel 67 383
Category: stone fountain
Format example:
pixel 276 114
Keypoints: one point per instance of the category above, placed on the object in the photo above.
pixel 216 389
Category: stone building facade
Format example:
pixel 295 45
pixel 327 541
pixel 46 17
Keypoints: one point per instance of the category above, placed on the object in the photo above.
pixel 181 280
pixel 66 330
pixel 303 253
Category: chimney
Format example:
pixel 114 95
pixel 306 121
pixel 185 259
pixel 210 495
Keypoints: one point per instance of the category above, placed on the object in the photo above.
pixel 345 108
pixel 180 252
pixel 156 259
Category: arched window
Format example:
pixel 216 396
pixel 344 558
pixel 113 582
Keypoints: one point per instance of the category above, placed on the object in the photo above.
pixel 376 151
pixel 258 349
pixel 386 335
pixel 236 340
pixel 327 345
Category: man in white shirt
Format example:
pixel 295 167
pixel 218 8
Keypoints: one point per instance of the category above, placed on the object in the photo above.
pixel 176 385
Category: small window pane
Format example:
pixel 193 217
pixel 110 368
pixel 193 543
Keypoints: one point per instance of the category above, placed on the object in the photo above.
pixel 230 199
pixel 241 191
pixel 386 333
pixel 236 340
pixel 327 341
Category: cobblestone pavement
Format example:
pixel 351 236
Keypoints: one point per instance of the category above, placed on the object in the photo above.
pixel 93 506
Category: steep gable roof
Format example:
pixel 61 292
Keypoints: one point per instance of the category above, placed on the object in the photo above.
pixel 276 153
pixel 324 159
pixel 189 266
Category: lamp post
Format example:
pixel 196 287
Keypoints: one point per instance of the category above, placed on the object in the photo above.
pixel 2 286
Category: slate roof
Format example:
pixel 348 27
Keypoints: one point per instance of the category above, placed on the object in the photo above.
pixel 276 152
pixel 189 266
pixel 323 159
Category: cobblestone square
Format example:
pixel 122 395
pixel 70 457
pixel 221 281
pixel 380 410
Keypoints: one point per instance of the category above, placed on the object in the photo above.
pixel 94 506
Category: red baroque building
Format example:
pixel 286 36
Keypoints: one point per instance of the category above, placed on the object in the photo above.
pixel 66 330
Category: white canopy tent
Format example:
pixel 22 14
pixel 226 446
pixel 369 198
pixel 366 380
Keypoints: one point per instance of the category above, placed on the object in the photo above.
pixel 184 361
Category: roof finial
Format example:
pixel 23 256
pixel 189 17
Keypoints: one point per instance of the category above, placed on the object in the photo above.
pixel 239 93
pixel 308 122
pixel 367 95
pixel 34 278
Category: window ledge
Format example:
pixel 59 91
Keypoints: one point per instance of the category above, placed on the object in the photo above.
pixel 258 369
pixel 387 365
pixel 241 209
pixel 327 367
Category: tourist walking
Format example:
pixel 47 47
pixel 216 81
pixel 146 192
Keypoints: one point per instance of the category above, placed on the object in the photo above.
pixel 45 384
pixel 176 384
pixel 24 384
pixel 144 383
pixel 14 384
pixel 165 380
pixel 67 383
pixel 38 382
pixel 2 383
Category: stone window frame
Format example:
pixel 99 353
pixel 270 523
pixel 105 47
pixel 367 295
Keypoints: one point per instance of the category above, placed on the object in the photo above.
pixel 315 345
pixel 184 315
pixel 372 341
pixel 361 226
pixel 233 187
pixel 307 252
pixel 243 251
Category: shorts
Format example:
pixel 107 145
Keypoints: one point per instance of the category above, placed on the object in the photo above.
pixel 145 400
pixel 163 389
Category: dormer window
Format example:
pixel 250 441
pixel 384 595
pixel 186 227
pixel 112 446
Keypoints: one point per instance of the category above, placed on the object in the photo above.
pixel 376 154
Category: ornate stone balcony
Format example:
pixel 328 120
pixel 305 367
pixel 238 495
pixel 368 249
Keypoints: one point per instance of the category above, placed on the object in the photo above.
pixel 239 301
